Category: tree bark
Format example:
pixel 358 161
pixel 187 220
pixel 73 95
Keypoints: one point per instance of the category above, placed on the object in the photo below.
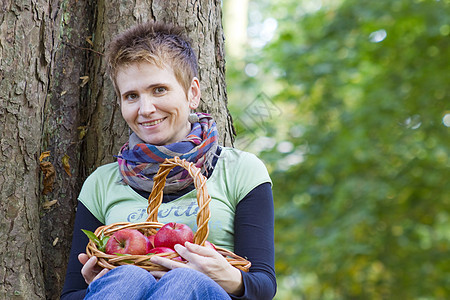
pixel 56 97
pixel 68 31
pixel 23 87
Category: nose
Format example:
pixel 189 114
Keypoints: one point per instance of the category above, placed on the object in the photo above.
pixel 147 106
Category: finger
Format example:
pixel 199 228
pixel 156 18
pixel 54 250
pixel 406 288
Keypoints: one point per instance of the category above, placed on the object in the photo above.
pixel 103 272
pixel 196 259
pixel 185 253
pixel 88 271
pixel 201 250
pixel 83 258
pixel 167 263
pixel 90 263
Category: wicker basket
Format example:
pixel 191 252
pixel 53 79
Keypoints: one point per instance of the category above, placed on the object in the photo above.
pixel 152 225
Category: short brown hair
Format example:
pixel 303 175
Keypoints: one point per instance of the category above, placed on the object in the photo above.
pixel 157 43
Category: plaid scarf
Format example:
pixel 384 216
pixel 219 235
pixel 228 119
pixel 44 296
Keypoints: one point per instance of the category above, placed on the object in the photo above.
pixel 139 162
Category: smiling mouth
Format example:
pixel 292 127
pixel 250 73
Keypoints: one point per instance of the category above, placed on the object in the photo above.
pixel 152 123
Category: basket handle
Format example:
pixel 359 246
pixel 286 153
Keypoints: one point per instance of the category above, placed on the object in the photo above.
pixel 203 198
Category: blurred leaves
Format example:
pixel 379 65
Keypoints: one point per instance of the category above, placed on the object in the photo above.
pixel 362 194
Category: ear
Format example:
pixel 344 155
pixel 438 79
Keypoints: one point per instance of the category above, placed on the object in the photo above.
pixel 194 93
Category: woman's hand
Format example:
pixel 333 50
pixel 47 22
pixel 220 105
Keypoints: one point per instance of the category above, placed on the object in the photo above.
pixel 207 261
pixel 90 271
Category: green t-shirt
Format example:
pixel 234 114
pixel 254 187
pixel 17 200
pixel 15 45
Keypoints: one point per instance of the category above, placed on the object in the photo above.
pixel 235 175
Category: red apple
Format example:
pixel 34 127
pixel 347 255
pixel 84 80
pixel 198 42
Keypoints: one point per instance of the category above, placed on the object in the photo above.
pixel 158 250
pixel 127 241
pixel 173 233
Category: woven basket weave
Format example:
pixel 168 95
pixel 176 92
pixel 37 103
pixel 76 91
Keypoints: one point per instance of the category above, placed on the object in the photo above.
pixel 152 225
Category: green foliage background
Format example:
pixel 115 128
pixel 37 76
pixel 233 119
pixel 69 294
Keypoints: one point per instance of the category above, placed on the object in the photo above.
pixel 350 111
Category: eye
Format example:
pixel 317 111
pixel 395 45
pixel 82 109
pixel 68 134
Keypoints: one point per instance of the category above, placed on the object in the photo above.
pixel 160 90
pixel 130 97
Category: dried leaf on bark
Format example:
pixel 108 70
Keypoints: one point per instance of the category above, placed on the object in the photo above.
pixel 83 130
pixel 84 79
pixel 44 155
pixel 66 165
pixel 49 204
pixel 49 176
pixel 89 40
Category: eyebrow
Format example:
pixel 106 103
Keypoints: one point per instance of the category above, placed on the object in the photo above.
pixel 153 85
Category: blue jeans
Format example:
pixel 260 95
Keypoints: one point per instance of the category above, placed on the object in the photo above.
pixel 131 282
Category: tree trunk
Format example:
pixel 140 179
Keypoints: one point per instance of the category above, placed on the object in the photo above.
pixel 23 88
pixel 54 96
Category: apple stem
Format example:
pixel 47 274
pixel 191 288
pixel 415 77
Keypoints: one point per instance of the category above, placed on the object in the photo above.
pixel 121 243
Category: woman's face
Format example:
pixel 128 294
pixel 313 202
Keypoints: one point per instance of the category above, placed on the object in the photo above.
pixel 154 104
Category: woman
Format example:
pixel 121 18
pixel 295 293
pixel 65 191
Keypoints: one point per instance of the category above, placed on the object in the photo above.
pixel 154 72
